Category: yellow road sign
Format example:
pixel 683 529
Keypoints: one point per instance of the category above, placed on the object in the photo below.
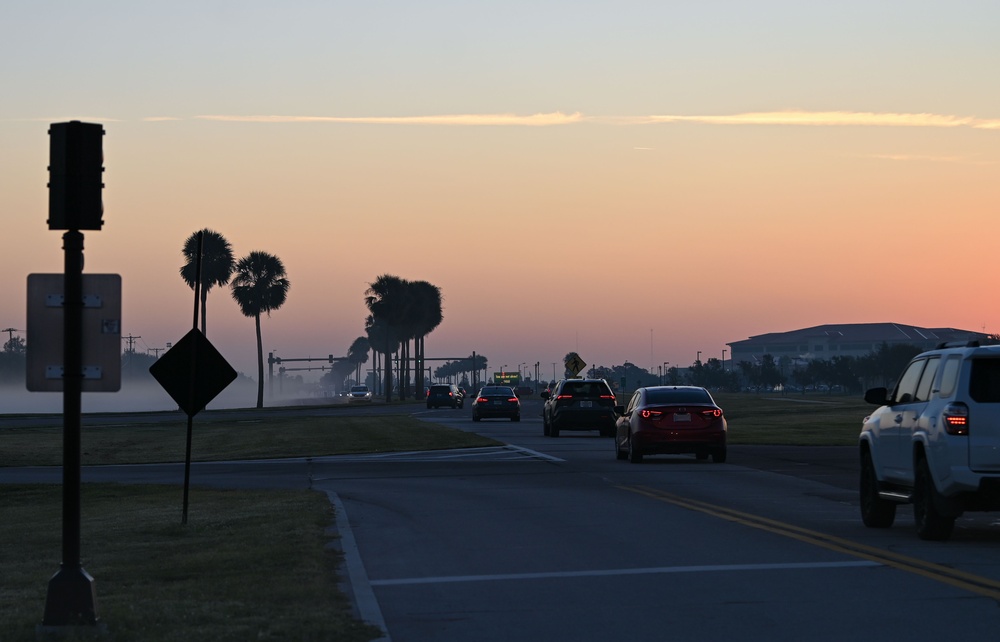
pixel 575 365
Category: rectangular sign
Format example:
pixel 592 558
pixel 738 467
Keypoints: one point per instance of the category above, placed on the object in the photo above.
pixel 102 333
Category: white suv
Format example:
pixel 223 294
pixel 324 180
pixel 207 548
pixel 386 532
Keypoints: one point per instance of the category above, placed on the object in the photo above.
pixel 935 441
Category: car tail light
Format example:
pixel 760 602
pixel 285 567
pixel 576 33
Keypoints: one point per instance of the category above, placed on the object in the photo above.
pixel 512 399
pixel 712 412
pixel 608 397
pixel 956 419
pixel 482 400
pixel 651 414
pixel 428 392
pixel 564 397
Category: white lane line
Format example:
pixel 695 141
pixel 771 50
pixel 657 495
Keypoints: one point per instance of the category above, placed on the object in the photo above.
pixel 489 453
pixel 624 571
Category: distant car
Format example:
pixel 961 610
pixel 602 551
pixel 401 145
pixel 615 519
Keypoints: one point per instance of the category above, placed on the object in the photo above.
pixel 443 394
pixel 524 391
pixel 579 404
pixel 359 393
pixel 671 420
pixel 496 401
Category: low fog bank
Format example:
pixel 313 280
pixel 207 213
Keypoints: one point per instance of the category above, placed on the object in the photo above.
pixel 133 397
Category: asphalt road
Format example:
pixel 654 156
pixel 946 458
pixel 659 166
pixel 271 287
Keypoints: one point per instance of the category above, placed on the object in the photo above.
pixel 554 539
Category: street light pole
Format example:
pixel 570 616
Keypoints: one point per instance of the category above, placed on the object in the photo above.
pixel 724 360
pixel 698 358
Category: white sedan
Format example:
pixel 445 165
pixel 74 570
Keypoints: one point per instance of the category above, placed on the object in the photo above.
pixel 359 393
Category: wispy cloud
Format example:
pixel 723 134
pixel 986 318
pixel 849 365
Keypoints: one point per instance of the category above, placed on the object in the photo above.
pixel 160 119
pixel 534 120
pixel 834 119
pixel 928 159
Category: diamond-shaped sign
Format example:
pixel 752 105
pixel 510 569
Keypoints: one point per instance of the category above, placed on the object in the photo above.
pixel 193 372
pixel 575 364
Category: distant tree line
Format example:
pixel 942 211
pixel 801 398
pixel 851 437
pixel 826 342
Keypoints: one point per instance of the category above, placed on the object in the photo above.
pixel 844 373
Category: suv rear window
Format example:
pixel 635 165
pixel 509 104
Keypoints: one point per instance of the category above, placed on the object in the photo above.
pixel 585 389
pixel 984 384
pixel 949 376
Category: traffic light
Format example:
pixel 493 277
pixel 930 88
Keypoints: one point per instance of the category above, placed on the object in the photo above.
pixel 76 166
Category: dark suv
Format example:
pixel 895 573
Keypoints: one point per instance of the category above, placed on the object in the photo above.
pixel 443 394
pixel 579 404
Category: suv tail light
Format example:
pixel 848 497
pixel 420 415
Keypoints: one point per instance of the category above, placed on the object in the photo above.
pixel 956 419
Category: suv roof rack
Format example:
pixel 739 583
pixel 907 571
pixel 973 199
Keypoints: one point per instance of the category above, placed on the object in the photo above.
pixel 974 343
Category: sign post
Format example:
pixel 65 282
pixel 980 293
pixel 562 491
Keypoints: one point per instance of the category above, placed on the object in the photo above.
pixel 75 168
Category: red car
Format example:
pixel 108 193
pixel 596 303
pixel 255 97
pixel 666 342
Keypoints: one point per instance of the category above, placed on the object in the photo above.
pixel 670 420
pixel 496 401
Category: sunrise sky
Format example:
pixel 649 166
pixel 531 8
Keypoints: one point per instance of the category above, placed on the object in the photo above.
pixel 630 180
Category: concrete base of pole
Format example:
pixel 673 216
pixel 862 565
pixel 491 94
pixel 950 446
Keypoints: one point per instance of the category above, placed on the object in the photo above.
pixel 71 599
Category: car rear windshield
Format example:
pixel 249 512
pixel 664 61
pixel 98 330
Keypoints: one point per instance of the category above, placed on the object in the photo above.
pixel 441 389
pixel 498 391
pixel 658 396
pixel 585 389
pixel 984 385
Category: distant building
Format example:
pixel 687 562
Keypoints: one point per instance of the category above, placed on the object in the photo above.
pixel 846 340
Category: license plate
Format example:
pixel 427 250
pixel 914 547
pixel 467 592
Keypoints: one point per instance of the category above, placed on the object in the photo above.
pixel 497 402
pixel 585 404
pixel 682 416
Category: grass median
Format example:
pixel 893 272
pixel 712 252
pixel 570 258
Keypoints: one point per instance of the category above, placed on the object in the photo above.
pixel 253 437
pixel 249 565
pixel 793 419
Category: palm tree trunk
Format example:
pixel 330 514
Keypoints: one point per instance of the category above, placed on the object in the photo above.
pixel 405 393
pixel 420 365
pixel 387 378
pixel 260 365
pixel 204 315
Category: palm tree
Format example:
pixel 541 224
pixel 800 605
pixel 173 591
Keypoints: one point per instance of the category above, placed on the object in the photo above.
pixel 216 265
pixel 378 340
pixel 259 286
pixel 427 316
pixel 385 300
pixel 357 354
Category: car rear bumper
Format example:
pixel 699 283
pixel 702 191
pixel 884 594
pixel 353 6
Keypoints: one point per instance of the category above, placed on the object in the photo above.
pixel 488 412
pixel 584 418
pixel 678 441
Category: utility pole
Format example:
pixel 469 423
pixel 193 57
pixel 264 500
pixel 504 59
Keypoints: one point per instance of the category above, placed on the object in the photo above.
pixel 10 332
pixel 131 342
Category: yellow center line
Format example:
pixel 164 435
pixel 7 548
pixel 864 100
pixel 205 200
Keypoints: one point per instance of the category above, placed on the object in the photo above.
pixel 960 579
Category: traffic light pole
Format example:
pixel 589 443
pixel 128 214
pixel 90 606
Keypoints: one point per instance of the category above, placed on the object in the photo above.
pixel 71 598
